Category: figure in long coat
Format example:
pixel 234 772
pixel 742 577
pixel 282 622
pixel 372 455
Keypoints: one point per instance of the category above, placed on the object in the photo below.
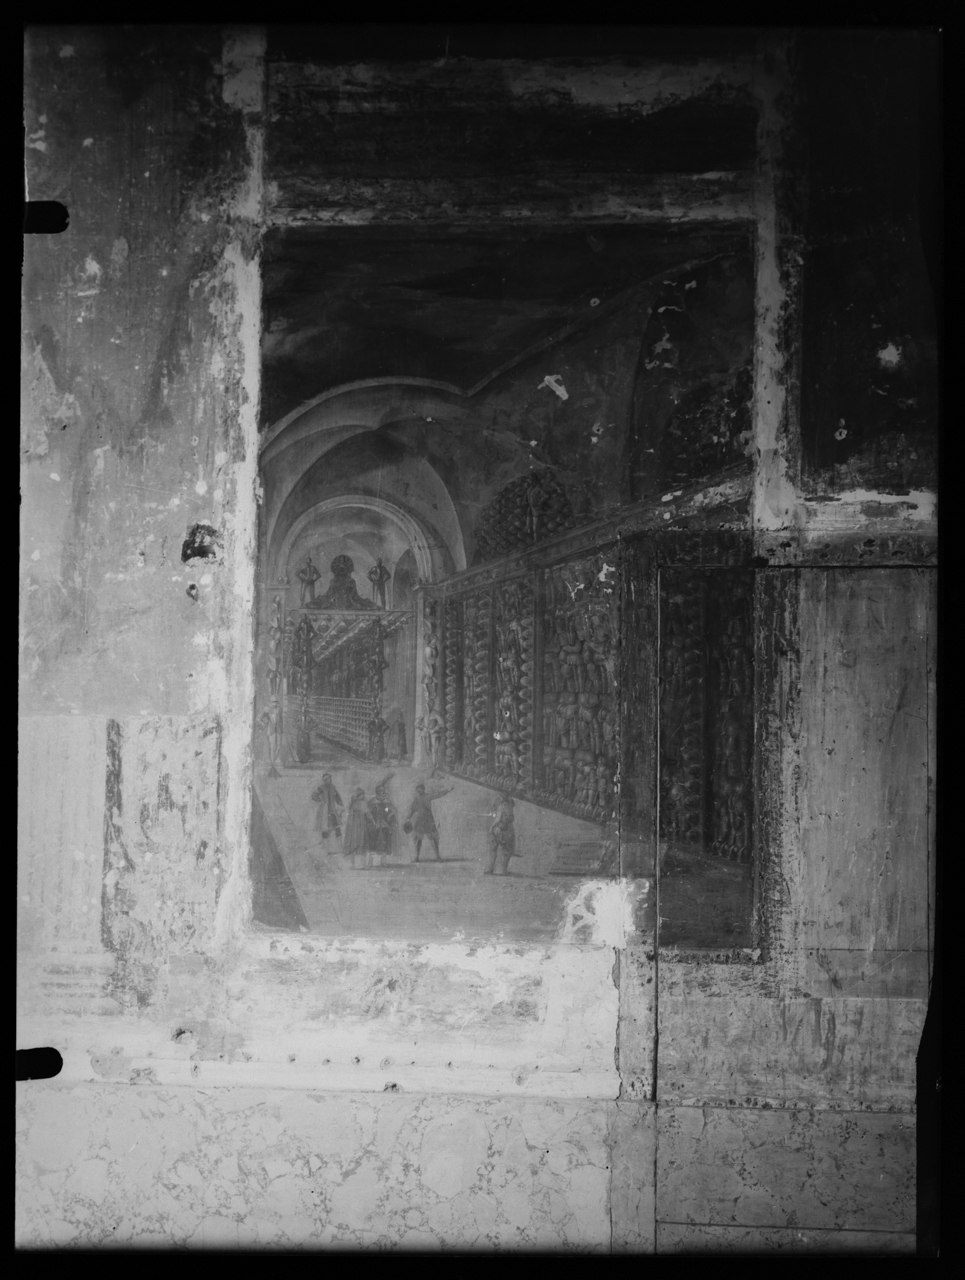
pixel 328 815
pixel 356 826
pixel 379 575
pixel 309 576
pixel 383 825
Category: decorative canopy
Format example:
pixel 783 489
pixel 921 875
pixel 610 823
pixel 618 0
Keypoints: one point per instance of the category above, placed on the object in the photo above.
pixel 333 629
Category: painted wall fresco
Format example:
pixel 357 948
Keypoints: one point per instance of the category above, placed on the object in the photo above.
pixel 562 379
pixel 557 379
pixel 526 766
pixel 373 820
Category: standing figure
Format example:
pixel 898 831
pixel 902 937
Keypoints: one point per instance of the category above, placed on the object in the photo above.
pixel 274 674
pixel 303 658
pixel 303 740
pixel 502 837
pixel 382 826
pixel 328 815
pixel 604 778
pixel 420 823
pixel 436 728
pixel 355 827
pixel 378 576
pixel 309 576
pixel 536 500
pixel 270 721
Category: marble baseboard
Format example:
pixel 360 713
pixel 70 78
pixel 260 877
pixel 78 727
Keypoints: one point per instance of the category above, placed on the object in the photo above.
pixel 136 1165
pixel 685 1238
pixel 796 1170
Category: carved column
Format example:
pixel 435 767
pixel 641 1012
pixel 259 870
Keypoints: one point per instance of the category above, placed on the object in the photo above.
pixel 453 683
pixel 512 673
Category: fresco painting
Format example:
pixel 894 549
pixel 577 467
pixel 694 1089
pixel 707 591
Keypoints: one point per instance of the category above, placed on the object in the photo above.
pixel 471 697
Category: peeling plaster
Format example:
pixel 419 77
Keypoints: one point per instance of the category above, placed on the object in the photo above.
pixel 890 356
pixel 859 507
pixel 599 913
pixel 555 383
pixel 621 88
pixel 228 670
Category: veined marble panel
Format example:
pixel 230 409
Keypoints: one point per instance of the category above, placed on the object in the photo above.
pixel 138 1165
pixel 813 1170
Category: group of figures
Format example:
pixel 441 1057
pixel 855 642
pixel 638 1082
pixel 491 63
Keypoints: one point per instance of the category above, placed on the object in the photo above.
pixel 367 833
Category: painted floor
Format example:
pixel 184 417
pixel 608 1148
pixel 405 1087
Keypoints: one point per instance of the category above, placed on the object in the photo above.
pixel 426 900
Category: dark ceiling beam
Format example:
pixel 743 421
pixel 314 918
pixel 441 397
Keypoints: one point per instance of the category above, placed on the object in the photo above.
pixel 341 43
pixel 591 198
